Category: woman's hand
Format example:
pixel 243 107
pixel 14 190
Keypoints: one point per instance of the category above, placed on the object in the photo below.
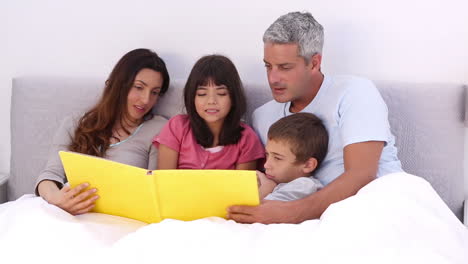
pixel 76 200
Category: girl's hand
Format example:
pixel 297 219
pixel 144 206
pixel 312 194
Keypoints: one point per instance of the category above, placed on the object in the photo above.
pixel 75 201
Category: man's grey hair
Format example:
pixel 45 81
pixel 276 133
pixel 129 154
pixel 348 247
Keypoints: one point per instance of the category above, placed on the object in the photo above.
pixel 299 28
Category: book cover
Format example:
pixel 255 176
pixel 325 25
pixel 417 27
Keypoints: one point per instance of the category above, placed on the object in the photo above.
pixel 153 195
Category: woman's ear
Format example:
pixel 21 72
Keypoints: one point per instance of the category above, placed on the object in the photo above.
pixel 310 165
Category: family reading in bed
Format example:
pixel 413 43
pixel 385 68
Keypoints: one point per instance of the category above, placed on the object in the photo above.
pixel 316 165
pixel 351 146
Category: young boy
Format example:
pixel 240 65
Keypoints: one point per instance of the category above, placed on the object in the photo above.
pixel 296 146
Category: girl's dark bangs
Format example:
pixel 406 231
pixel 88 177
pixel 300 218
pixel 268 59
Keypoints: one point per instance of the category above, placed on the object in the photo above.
pixel 211 73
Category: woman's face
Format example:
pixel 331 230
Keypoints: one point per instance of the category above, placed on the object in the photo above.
pixel 144 94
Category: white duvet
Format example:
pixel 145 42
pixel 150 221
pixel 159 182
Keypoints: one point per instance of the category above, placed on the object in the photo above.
pixel 397 218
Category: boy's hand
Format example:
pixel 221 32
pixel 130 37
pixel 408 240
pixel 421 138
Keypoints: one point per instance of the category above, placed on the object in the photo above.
pixel 259 182
pixel 264 180
pixel 265 185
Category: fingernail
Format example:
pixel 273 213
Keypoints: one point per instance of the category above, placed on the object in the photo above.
pixel 94 190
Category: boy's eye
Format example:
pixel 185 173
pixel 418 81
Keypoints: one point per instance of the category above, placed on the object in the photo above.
pixel 276 158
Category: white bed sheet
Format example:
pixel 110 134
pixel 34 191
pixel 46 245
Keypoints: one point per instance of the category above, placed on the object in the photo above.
pixel 397 218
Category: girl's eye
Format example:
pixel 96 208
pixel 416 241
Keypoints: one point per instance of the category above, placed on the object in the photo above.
pixel 138 87
pixel 222 94
pixel 276 158
pixel 201 94
pixel 155 92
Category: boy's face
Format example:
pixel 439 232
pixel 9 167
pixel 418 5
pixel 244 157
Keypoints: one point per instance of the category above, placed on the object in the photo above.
pixel 281 165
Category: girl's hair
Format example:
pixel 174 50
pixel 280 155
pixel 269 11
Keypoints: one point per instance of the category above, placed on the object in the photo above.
pixel 94 130
pixel 220 71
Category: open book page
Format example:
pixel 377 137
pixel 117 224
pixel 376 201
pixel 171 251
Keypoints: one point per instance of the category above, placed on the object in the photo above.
pixel 151 196
pixel 123 190
pixel 194 194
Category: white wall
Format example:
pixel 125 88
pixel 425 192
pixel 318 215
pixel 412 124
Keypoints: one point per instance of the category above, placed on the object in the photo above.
pixel 420 41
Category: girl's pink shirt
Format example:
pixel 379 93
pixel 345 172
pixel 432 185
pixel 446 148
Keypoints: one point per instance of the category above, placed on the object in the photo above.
pixel 178 135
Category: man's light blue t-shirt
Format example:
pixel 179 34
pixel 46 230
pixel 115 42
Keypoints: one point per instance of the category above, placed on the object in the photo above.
pixel 352 111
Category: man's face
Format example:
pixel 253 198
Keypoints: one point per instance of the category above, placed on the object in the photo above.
pixel 288 75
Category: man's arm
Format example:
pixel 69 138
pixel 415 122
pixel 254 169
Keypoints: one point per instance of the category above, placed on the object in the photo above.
pixel 361 161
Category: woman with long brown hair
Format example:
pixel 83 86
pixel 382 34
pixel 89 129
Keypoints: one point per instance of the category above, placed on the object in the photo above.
pixel 119 127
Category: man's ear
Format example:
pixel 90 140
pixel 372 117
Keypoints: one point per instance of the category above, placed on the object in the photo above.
pixel 310 165
pixel 316 62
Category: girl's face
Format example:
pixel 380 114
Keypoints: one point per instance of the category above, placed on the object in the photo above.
pixel 213 103
pixel 143 94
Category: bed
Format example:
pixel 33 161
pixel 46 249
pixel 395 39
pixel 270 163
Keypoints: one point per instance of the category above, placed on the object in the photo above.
pixel 412 217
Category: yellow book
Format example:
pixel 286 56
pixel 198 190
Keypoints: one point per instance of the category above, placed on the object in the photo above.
pixel 151 196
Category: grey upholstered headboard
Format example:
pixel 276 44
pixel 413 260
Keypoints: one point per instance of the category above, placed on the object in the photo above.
pixel 428 123
pixel 427 120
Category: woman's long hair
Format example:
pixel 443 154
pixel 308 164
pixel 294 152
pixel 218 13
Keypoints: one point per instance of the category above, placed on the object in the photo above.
pixel 94 130
pixel 221 71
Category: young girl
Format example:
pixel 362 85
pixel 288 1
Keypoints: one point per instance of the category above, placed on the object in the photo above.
pixel 211 135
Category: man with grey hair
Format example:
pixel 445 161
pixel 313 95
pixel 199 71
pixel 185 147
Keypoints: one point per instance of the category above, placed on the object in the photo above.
pixel 361 146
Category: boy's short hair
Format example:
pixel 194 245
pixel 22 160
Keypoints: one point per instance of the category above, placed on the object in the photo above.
pixel 305 133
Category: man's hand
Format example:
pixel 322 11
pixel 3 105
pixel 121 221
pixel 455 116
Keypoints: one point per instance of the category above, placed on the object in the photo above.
pixel 268 212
